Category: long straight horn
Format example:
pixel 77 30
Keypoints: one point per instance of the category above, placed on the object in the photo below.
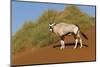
pixel 54 18
pixel 49 17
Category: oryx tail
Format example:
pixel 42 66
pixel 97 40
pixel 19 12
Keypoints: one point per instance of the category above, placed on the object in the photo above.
pixel 84 35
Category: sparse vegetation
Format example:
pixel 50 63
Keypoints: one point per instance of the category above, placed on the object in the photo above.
pixel 36 34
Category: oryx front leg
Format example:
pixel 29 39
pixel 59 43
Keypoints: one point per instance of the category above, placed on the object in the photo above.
pixel 76 41
pixel 62 44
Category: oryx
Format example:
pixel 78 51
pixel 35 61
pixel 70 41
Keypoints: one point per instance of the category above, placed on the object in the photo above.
pixel 62 29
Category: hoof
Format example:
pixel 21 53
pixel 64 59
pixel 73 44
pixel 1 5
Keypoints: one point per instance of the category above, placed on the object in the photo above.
pixel 62 47
pixel 74 47
pixel 81 46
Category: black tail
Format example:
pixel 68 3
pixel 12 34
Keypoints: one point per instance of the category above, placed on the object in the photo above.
pixel 84 35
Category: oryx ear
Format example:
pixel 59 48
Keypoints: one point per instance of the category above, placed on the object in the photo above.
pixel 53 23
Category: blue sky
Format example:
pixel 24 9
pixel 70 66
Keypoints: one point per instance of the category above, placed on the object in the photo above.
pixel 25 11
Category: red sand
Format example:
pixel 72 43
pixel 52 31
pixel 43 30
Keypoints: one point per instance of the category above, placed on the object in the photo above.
pixel 53 54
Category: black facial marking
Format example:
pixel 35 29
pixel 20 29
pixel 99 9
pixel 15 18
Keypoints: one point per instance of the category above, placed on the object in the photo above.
pixel 50 27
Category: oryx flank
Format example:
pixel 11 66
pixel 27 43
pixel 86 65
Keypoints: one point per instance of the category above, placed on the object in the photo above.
pixel 62 29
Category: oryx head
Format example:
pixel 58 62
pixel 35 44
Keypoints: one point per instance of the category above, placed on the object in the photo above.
pixel 51 22
pixel 51 27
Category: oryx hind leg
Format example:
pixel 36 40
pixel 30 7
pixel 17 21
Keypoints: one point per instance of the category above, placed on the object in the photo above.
pixel 76 41
pixel 62 43
pixel 81 43
pixel 80 40
pixel 77 37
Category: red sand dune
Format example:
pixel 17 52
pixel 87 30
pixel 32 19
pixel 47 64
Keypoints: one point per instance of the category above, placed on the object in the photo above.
pixel 53 54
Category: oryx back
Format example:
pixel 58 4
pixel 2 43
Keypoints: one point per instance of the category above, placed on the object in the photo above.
pixel 63 28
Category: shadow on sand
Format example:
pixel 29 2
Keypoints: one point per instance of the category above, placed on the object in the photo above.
pixel 69 45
